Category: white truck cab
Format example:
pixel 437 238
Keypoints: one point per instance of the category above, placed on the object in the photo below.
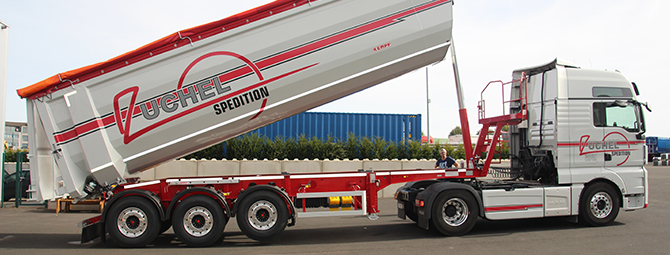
pixel 577 148
pixel 591 124
pixel 584 127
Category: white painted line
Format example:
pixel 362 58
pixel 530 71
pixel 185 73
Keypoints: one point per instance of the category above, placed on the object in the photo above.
pixel 418 172
pixel 256 178
pixel 101 167
pixel 141 184
pixel 315 176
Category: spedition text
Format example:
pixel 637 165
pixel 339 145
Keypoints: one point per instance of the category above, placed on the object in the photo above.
pixel 241 100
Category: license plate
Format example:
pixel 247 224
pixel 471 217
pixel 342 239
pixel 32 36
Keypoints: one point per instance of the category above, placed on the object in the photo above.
pixel 401 205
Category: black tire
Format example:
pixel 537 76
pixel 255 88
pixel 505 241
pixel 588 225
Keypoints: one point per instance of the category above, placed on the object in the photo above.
pixel 199 221
pixel 133 222
pixel 598 205
pixel 165 225
pixel 262 215
pixel 454 212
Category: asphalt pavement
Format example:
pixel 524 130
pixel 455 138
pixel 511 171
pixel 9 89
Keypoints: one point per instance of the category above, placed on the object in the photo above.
pixel 31 230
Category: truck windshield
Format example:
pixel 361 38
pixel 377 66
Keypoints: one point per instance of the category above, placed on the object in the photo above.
pixel 616 114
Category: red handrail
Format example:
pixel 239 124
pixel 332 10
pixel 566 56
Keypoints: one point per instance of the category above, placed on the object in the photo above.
pixel 523 98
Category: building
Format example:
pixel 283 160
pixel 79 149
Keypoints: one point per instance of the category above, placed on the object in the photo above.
pixel 16 135
pixel 458 139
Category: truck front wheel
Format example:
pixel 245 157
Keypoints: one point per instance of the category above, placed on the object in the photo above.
pixel 199 221
pixel 262 215
pixel 598 205
pixel 133 222
pixel 454 212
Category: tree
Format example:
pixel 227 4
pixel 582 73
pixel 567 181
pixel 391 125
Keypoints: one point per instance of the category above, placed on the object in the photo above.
pixel 456 131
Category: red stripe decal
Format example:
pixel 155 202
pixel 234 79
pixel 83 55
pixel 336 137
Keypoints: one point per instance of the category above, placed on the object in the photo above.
pixel 511 208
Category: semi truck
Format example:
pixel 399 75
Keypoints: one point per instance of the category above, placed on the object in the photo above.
pixel 577 136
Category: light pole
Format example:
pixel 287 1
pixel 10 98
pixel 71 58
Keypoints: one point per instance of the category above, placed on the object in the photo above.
pixel 4 32
pixel 427 110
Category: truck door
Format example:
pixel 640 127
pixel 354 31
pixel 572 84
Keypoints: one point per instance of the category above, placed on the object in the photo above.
pixel 623 152
pixel 586 160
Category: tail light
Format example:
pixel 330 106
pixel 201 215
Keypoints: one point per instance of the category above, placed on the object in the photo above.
pixel 419 203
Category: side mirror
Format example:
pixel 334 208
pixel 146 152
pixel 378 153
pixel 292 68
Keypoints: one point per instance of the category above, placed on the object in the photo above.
pixel 637 92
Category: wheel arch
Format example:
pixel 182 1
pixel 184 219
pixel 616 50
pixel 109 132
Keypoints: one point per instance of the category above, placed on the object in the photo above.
pixel 196 191
pixel 433 191
pixel 256 188
pixel 133 192
pixel 605 181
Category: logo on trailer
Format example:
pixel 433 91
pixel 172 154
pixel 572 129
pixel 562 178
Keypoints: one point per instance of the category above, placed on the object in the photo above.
pixel 195 96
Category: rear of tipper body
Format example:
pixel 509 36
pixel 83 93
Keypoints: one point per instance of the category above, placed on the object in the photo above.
pixel 207 84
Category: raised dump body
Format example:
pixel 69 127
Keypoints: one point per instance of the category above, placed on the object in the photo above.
pixel 95 125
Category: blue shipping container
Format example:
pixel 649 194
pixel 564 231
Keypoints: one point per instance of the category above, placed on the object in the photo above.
pixel 390 127
pixel 658 145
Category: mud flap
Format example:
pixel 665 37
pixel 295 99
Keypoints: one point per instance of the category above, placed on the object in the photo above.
pixel 401 210
pixel 91 232
pixel 422 220
pixel 91 229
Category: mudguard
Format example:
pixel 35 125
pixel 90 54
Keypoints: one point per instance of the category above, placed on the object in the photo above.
pixel 430 194
pixel 274 189
pixel 217 195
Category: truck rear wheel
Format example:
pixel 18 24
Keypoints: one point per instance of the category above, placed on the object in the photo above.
pixel 598 205
pixel 454 212
pixel 262 215
pixel 199 221
pixel 133 222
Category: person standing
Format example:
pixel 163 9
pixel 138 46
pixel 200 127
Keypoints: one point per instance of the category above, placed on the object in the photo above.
pixel 445 161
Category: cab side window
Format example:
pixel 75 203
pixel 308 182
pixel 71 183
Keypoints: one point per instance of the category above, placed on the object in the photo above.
pixel 611 114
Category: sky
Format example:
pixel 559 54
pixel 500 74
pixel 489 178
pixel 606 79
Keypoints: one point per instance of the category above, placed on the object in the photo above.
pixel 492 38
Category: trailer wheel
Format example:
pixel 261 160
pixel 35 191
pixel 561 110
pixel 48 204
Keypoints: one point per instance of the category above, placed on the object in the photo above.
pixel 133 222
pixel 455 212
pixel 599 205
pixel 199 221
pixel 262 215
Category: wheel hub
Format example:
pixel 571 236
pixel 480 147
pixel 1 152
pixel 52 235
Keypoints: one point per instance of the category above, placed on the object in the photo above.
pixel 601 205
pixel 455 212
pixel 198 221
pixel 262 215
pixel 132 222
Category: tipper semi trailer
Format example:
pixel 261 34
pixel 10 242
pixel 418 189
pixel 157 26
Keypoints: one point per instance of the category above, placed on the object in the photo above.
pixel 577 136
